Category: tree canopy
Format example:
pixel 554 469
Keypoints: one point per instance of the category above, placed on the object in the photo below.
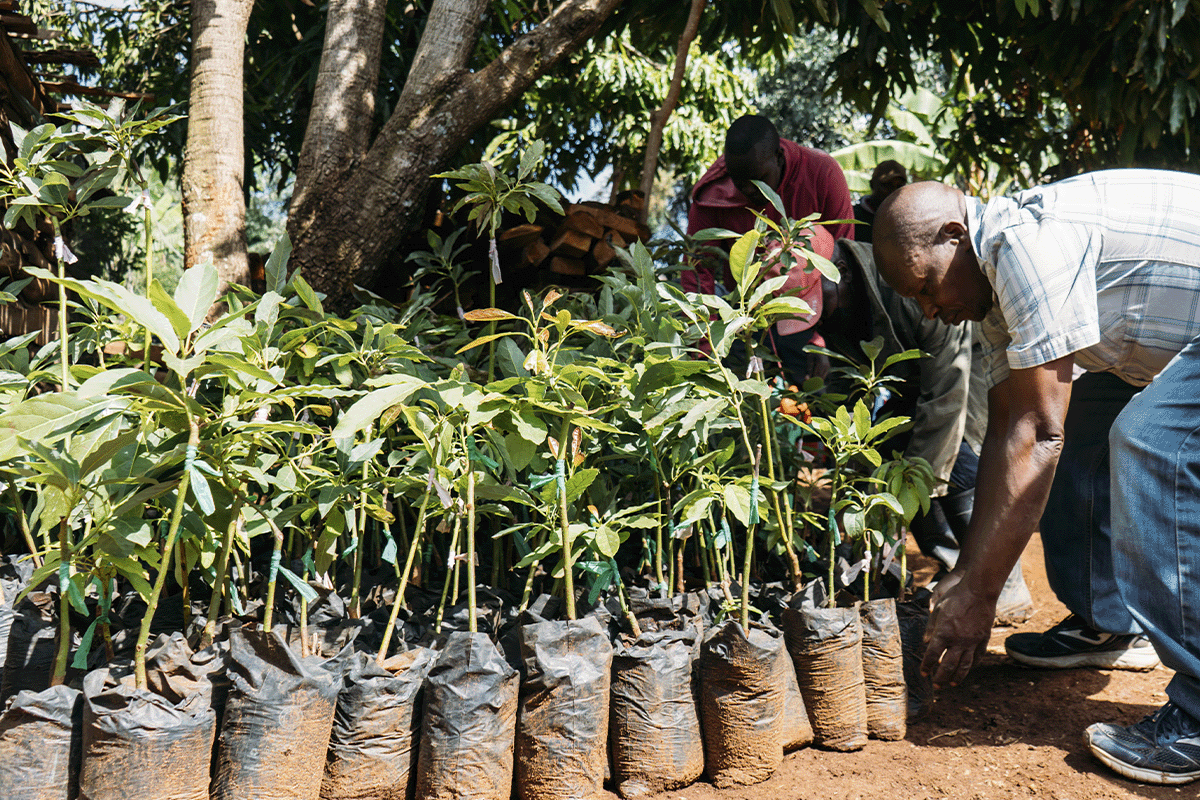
pixel 1037 88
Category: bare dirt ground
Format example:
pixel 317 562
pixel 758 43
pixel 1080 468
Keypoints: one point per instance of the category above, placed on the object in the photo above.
pixel 1006 732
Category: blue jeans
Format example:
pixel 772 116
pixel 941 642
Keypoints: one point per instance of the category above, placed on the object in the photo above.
pixel 1076 534
pixel 1155 446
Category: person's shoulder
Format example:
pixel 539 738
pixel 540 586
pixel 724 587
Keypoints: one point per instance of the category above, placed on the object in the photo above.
pixel 811 156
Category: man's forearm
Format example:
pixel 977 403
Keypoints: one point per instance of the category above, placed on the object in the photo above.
pixel 1016 468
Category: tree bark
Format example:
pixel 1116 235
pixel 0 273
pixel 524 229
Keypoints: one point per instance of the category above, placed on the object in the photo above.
pixel 343 106
pixel 342 235
pixel 446 45
pixel 658 120
pixel 214 205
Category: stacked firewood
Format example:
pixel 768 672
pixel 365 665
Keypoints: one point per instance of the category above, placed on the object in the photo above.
pixel 583 242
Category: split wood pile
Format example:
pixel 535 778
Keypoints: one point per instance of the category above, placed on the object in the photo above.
pixel 583 242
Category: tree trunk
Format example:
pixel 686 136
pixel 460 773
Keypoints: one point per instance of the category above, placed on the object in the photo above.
pixel 343 106
pixel 342 235
pixel 214 163
pixel 658 120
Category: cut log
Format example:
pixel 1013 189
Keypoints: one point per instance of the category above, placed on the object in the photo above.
pixel 519 236
pixel 534 253
pixel 602 254
pixel 616 239
pixel 571 244
pixel 583 222
pixel 630 203
pixel 611 220
pixel 567 266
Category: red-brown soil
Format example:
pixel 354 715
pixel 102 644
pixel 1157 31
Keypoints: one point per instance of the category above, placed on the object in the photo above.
pixel 1006 732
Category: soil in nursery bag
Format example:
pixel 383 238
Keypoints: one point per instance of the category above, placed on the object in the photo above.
pixel 654 730
pixel 826 649
pixel 913 615
pixel 469 723
pixel 14 575
pixel 373 746
pixel 31 648
pixel 883 670
pixel 137 743
pixel 796 729
pixel 275 731
pixel 562 727
pixel 742 704
pixel 40 745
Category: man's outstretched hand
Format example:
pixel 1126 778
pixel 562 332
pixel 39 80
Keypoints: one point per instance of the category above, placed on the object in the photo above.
pixel 959 628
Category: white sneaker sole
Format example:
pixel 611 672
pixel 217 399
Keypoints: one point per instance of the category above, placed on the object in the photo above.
pixel 1139 659
pixel 1140 773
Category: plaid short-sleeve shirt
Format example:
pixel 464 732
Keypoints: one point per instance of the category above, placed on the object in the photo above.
pixel 1104 265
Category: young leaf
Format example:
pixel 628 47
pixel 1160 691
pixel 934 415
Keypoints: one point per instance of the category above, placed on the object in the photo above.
pixel 197 291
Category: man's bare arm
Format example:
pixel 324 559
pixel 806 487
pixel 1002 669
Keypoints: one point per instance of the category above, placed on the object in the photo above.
pixel 1026 413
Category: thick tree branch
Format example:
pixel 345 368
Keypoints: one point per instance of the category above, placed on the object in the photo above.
pixel 343 108
pixel 343 235
pixel 446 46
pixel 658 121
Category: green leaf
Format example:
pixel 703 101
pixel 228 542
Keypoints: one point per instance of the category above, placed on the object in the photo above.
pixel 371 406
pixel 742 253
pixel 578 483
pixel 862 420
pixel 115 296
pixel 164 303
pixel 607 541
pixel 737 500
pixel 529 426
pixel 306 293
pixel 197 291
pixel 46 418
pixel 276 267
pixel 302 588
pixel 201 491
pixel 512 360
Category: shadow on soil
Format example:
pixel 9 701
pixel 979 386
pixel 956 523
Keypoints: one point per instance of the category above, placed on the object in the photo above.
pixel 1003 703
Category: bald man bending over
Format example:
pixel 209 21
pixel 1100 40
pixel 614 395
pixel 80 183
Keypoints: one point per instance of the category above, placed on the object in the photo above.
pixel 1100 272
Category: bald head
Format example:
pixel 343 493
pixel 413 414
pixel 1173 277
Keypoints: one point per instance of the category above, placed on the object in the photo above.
pixel 922 249
pixel 909 221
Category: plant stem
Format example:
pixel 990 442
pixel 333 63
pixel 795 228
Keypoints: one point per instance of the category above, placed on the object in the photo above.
pixel 304 652
pixel 867 572
pixel 679 584
pixel 785 523
pixel 451 572
pixel 273 576
pixel 360 539
pixel 139 650
pixel 23 519
pixel 64 605
pixel 491 329
pixel 222 566
pixel 835 485
pixel 750 543
pixel 62 309
pixel 564 524
pixel 413 548
pixel 527 593
pixel 624 601
pixel 658 528
pixel 184 586
pixel 472 623
pixel 149 278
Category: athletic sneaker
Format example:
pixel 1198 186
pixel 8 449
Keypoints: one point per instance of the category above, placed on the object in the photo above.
pixel 1162 748
pixel 1073 643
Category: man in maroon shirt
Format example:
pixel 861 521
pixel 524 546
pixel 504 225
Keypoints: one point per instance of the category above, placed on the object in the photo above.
pixel 808 181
